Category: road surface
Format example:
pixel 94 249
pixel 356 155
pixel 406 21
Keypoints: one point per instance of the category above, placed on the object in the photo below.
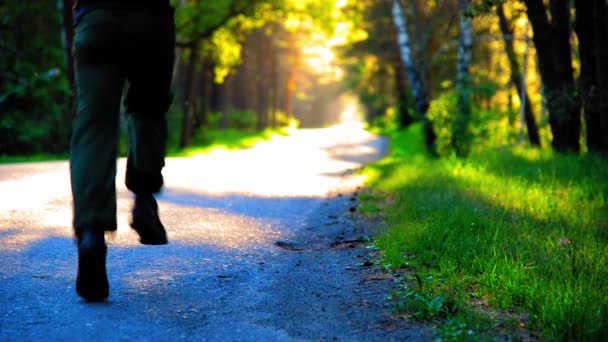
pixel 259 250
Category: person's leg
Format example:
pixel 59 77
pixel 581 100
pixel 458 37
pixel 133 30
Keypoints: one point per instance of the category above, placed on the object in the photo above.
pixel 99 82
pixel 149 69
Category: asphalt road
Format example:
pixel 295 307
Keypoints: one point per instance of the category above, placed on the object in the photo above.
pixel 260 250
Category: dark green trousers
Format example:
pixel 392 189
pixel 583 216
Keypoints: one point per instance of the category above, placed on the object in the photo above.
pixel 114 48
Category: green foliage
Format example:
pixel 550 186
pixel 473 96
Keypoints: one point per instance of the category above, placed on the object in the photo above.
pixel 209 140
pixel 198 20
pixel 285 121
pixel 483 7
pixel 485 128
pixel 388 122
pixel 217 28
pixel 32 158
pixel 226 47
pixel 239 132
pixel 423 304
pixel 441 113
pixel 220 27
pixel 518 229
pixel 238 119
pixel 34 93
pixel 370 62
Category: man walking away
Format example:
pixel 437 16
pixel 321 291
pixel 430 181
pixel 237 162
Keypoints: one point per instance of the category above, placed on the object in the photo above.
pixel 118 43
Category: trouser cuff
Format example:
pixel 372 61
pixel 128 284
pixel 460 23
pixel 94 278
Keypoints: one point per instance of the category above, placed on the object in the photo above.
pixel 141 183
pixel 95 226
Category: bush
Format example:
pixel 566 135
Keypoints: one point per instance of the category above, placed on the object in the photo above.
pixel 283 120
pixel 389 122
pixel 34 113
pixel 485 129
pixel 238 119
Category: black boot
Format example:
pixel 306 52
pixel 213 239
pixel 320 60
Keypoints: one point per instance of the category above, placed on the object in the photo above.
pixel 92 280
pixel 146 222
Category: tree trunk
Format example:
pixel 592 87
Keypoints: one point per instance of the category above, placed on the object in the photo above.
pixel 242 79
pixel 592 32
pixel 262 81
pixel 552 41
pixel 460 137
pixel 204 94
pixel 516 78
pixel 274 83
pixel 290 89
pixel 419 90
pixel 229 92
pixel 218 96
pixel 291 80
pixel 405 119
pixel 189 103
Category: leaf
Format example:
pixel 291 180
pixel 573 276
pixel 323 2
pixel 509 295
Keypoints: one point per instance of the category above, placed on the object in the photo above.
pixel 436 305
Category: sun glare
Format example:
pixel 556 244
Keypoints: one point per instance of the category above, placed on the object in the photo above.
pixel 351 112
pixel 265 177
pixel 320 60
pixel 341 3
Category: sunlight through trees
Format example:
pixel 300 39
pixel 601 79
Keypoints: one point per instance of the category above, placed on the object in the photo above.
pixel 253 65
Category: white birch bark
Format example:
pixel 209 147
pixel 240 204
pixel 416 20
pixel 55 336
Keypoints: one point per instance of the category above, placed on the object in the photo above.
pixel 460 136
pixel 418 88
pixel 465 44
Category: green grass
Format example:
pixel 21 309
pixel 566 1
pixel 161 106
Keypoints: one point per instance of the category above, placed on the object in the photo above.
pixel 228 139
pixel 203 142
pixel 506 237
pixel 32 158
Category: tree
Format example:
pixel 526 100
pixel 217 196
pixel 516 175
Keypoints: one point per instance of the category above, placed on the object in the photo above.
pixel 463 80
pixel 405 119
pixel 374 70
pixel 592 32
pixel 196 25
pixel 419 89
pixel 35 96
pixel 552 41
pixel 189 101
pixel 516 76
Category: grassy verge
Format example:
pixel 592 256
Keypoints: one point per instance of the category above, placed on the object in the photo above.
pixel 31 159
pixel 505 239
pixel 228 139
pixel 204 142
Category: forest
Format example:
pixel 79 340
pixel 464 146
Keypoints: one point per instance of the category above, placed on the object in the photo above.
pixel 497 111
pixel 475 73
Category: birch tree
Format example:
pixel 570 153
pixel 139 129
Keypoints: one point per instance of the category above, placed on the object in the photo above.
pixel 405 119
pixel 465 46
pixel 419 89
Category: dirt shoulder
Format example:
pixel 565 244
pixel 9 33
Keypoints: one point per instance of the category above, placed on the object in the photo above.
pixel 328 286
